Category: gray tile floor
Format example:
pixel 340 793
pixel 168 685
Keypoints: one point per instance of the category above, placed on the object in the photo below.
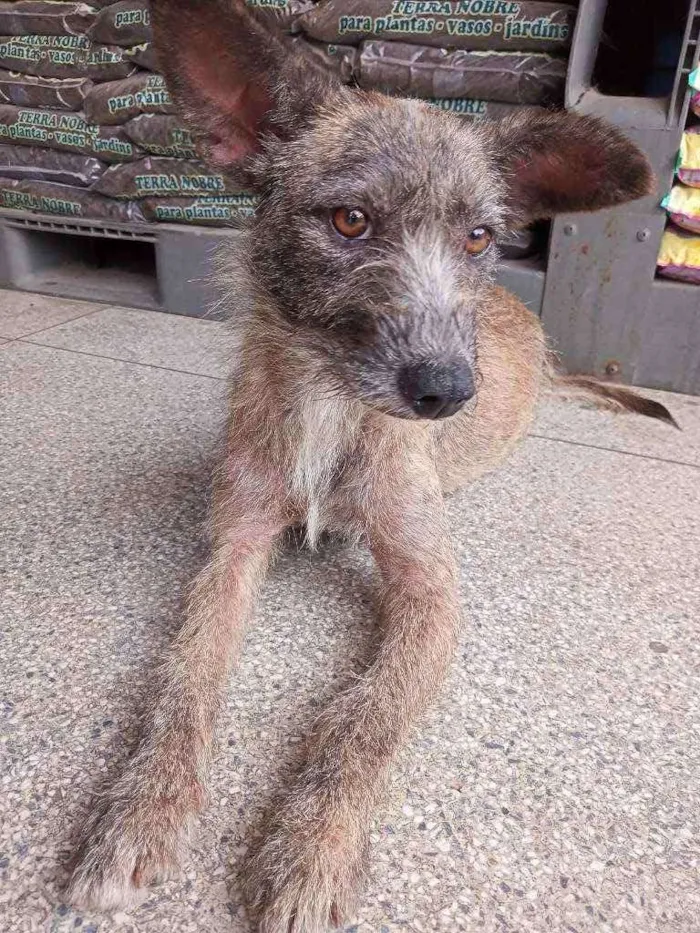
pixel 554 787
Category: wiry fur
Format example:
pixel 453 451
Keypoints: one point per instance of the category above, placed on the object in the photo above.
pixel 325 428
pixel 610 397
pixel 320 435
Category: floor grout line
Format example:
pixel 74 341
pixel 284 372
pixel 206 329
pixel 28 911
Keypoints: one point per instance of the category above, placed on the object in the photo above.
pixel 188 372
pixel 615 450
pixel 119 359
pixel 45 330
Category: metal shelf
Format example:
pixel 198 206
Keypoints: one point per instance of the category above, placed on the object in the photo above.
pixel 602 303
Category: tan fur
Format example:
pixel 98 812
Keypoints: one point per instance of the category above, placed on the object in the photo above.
pixel 511 371
pixel 297 453
pixel 325 424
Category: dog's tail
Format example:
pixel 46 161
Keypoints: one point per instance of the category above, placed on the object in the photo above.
pixel 607 396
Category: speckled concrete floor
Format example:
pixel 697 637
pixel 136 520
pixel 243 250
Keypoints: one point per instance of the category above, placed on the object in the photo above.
pixel 554 787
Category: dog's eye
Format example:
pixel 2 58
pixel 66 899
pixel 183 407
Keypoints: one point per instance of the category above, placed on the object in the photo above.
pixel 478 241
pixel 350 222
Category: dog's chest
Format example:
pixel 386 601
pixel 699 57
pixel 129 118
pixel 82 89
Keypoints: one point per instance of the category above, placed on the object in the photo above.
pixel 324 435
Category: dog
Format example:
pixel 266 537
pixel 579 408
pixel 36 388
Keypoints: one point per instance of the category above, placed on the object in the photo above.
pixel 380 368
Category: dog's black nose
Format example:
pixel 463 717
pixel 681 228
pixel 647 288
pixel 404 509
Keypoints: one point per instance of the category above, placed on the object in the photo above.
pixel 437 390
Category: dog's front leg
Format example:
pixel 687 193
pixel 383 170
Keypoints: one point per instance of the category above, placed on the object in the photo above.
pixel 308 870
pixel 135 833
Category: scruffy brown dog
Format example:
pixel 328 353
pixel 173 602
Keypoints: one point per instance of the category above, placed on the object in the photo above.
pixel 374 317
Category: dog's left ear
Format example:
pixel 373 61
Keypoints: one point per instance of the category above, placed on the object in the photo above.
pixel 557 163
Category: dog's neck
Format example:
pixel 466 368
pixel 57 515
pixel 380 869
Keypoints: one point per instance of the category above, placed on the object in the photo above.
pixel 284 394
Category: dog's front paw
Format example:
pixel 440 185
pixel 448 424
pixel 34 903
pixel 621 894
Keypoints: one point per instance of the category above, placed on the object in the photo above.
pixel 124 849
pixel 306 875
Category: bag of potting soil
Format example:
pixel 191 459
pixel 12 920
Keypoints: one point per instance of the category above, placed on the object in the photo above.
pixel 161 135
pixel 48 56
pixel 125 23
pixel 63 168
pixel 63 57
pixel 31 91
pixel 683 206
pixel 118 101
pixel 143 55
pixel 230 210
pixel 688 164
pixel 109 63
pixel 280 13
pixel 418 71
pixel 679 257
pixel 44 197
pixel 472 109
pixel 101 4
pixel 44 18
pixel 69 132
pixel 525 26
pixel 340 59
pixel 156 177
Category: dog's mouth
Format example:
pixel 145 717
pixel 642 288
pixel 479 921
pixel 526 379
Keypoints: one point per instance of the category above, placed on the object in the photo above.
pixel 397 408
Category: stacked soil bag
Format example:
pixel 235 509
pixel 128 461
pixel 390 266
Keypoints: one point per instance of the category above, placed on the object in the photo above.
pixel 50 154
pixel 87 127
pixel 475 58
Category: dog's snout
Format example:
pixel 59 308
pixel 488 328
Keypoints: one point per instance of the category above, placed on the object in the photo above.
pixel 437 390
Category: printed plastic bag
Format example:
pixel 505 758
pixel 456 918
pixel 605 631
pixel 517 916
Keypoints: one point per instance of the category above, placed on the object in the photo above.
pixel 45 18
pixel 161 135
pixel 109 63
pixel 30 91
pixel 48 56
pixel 143 55
pixel 156 177
pixel 64 168
pixel 683 206
pixel 472 109
pixel 125 23
pixel 283 14
pixel 524 26
pixel 117 102
pixel 688 165
pixel 70 132
pixel 231 210
pixel 340 59
pixel 44 197
pixel 679 257
pixel 63 57
pixel 427 72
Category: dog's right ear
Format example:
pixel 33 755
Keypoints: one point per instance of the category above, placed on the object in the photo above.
pixel 232 79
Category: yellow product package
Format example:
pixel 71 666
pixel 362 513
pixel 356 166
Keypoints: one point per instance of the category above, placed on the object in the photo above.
pixel 688 165
pixel 683 206
pixel 679 257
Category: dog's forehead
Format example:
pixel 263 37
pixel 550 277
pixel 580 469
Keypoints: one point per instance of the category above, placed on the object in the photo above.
pixel 370 141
